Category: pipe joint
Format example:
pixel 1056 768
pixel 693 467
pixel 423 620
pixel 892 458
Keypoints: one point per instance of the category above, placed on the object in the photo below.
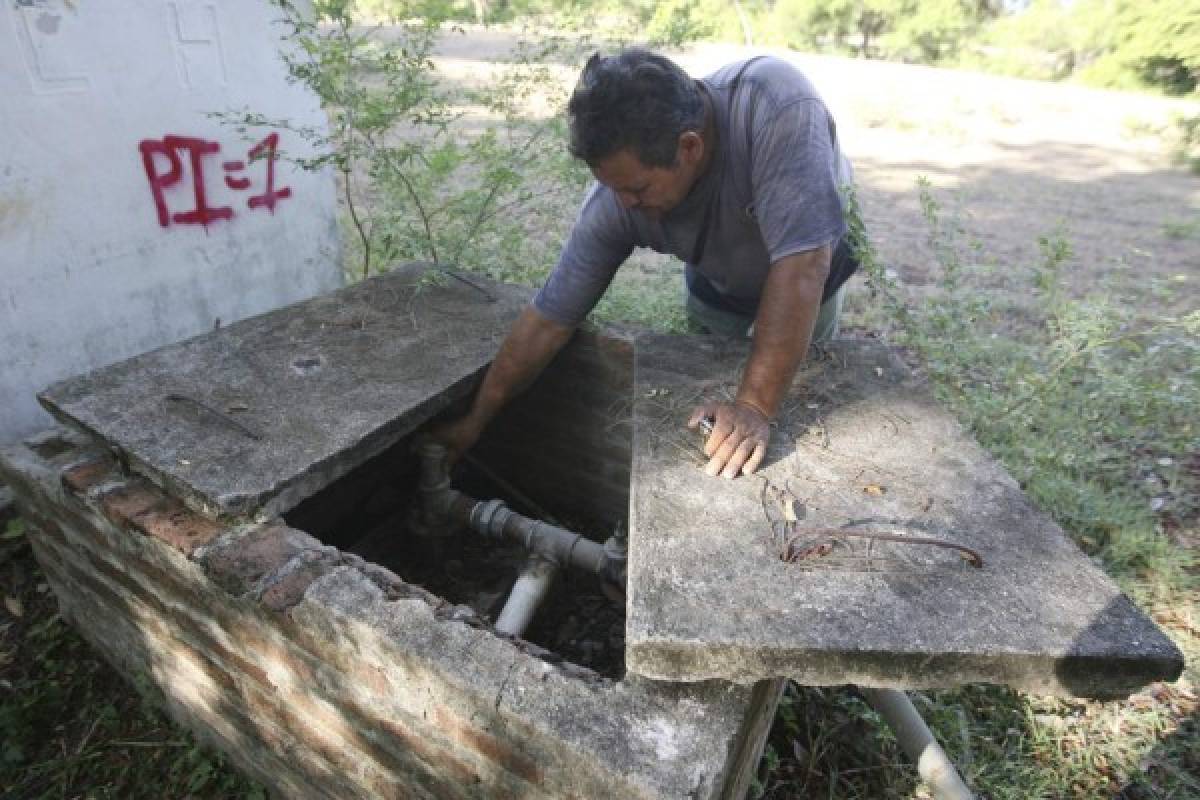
pixel 490 518
pixel 432 516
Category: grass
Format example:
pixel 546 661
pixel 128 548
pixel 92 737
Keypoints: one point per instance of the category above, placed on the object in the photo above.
pixel 1181 229
pixel 70 726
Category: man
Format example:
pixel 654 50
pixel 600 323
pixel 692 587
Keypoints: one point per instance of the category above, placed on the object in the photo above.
pixel 739 175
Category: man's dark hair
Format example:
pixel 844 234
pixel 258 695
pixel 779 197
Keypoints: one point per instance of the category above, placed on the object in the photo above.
pixel 635 99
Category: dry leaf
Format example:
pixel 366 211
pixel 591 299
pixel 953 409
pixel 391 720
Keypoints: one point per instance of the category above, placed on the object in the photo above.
pixel 789 509
pixel 874 489
pixel 14 606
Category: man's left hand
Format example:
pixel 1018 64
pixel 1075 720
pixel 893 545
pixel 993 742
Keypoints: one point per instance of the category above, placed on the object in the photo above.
pixel 738 442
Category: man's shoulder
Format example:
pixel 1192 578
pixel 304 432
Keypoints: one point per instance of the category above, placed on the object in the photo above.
pixel 772 78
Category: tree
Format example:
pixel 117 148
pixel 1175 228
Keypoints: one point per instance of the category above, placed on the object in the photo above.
pixel 1159 42
pixel 917 30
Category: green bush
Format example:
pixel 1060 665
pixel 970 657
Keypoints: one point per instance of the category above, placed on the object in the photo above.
pixel 422 179
pixel 1081 406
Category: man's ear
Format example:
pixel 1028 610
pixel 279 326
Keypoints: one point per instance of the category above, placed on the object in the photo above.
pixel 691 147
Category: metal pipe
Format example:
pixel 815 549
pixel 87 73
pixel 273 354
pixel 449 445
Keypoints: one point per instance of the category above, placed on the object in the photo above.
pixel 442 504
pixel 527 594
pixel 933 765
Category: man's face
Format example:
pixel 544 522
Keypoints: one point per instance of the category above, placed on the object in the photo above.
pixel 652 190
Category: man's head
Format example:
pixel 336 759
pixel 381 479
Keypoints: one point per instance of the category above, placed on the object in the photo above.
pixel 638 121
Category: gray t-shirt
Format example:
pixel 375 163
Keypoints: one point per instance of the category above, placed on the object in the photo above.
pixel 774 186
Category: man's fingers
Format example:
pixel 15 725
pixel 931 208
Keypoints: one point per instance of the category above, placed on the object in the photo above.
pixel 756 458
pixel 737 441
pixel 718 447
pixel 713 468
pixel 727 450
pixel 722 432
pixel 700 412
pixel 739 457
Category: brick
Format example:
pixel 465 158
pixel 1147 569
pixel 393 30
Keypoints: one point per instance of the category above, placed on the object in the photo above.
pixel 289 589
pixel 419 745
pixel 269 651
pixel 176 648
pixel 121 505
pixel 155 604
pixel 489 747
pixel 175 524
pixel 82 477
pixel 238 566
pixel 126 582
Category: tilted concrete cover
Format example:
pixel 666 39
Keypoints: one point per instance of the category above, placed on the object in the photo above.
pixel 255 417
pixel 860 445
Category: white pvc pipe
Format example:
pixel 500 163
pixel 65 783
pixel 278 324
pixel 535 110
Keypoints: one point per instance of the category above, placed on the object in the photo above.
pixel 527 593
pixel 933 765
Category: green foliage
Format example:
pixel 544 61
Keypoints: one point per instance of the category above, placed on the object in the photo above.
pixel 1126 44
pixel 1182 229
pixel 13 529
pixel 70 727
pixel 429 173
pixel 677 22
pixel 1154 43
pixel 930 31
pixel 646 296
pixel 1092 410
pixel 1184 141
pixel 667 24
pixel 926 31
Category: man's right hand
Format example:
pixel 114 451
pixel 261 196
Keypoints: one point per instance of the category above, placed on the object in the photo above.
pixel 525 352
pixel 457 436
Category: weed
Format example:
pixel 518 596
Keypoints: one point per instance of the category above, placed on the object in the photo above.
pixel 1184 141
pixel 70 727
pixel 648 296
pixel 1181 229
pixel 429 173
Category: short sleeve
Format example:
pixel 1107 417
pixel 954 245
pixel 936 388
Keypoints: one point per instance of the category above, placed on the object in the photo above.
pixel 797 199
pixel 600 241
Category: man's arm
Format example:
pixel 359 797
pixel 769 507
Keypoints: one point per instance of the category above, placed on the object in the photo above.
pixel 783 328
pixel 531 344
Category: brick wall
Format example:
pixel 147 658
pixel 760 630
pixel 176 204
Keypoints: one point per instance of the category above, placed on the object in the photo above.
pixel 580 411
pixel 325 676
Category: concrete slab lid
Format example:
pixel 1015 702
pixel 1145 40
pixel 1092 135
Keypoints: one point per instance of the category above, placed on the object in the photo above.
pixel 259 415
pixel 860 444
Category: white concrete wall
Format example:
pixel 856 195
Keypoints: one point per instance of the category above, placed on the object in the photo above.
pixel 102 253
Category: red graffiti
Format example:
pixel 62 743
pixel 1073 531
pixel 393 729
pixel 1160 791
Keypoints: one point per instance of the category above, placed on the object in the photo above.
pixel 271 195
pixel 164 175
pixel 232 182
pixel 170 146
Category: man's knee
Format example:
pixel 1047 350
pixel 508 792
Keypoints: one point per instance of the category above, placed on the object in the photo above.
pixel 715 320
pixel 735 326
